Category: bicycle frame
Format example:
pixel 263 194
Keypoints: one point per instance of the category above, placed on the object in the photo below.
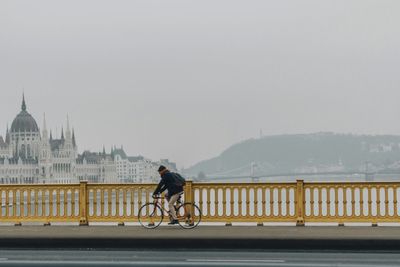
pixel 157 202
pixel 151 214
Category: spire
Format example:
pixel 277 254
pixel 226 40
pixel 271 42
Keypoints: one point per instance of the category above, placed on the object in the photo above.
pixel 73 138
pixel 51 136
pixel 44 130
pixel 44 122
pixel 62 133
pixel 23 106
pixel 104 150
pixel 7 136
pixel 68 131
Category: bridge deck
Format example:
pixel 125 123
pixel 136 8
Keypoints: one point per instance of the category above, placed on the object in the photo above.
pixel 218 237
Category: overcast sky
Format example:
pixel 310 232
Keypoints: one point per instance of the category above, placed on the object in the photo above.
pixel 186 79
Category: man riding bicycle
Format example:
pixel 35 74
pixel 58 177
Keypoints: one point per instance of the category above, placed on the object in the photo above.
pixel 175 189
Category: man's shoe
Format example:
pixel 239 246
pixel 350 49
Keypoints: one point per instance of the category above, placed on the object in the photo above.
pixel 173 222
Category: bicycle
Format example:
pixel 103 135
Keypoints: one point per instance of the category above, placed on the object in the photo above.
pixel 151 214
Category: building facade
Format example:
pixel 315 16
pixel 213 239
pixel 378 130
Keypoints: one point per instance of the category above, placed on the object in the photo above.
pixel 28 155
pixel 134 169
pixel 31 155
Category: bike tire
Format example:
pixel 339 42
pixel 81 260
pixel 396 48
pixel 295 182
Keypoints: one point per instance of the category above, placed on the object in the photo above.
pixel 189 211
pixel 150 216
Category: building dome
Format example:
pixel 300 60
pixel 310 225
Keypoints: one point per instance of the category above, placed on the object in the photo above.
pixel 24 122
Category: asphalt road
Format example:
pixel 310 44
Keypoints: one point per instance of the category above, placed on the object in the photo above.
pixel 193 258
pixel 204 237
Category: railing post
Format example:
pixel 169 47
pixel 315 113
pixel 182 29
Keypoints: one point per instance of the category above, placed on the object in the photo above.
pixel 83 204
pixel 300 203
pixel 189 197
pixel 189 192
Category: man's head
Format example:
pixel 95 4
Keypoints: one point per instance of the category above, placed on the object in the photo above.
pixel 162 169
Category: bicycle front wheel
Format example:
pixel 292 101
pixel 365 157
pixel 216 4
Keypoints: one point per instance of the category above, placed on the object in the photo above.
pixel 150 216
pixel 189 215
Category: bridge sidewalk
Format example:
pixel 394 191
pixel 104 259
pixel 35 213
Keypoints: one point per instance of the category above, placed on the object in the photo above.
pixel 203 237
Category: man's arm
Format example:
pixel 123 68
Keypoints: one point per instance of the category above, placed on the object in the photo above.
pixel 160 188
pixel 163 188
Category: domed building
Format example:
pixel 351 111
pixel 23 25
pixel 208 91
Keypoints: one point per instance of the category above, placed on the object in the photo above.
pixel 24 135
pixel 31 155
pixel 28 155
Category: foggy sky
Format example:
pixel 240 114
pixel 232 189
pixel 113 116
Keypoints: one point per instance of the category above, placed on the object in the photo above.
pixel 186 79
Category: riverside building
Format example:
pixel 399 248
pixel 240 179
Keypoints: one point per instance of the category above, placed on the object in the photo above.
pixel 31 155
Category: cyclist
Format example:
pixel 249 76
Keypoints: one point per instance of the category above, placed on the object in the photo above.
pixel 175 189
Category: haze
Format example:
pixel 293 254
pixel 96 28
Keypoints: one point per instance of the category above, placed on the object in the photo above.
pixel 186 79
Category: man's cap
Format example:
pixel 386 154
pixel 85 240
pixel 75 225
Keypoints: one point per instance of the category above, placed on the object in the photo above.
pixel 161 168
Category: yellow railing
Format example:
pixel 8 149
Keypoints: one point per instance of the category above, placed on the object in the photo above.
pixel 296 202
pixel 40 203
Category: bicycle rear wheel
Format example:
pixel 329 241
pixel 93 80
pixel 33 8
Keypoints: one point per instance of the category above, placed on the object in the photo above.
pixel 189 215
pixel 150 216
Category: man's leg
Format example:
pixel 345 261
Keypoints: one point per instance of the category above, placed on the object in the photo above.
pixel 168 198
pixel 171 206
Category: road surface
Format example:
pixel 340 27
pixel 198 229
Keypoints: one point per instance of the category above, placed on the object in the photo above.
pixel 74 258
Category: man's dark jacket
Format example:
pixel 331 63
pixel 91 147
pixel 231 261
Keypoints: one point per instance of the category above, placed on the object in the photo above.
pixel 169 182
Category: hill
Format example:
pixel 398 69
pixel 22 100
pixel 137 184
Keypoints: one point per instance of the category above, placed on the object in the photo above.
pixel 318 152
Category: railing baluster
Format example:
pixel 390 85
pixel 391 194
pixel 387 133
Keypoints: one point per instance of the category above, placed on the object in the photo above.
pixel 320 201
pixel 43 202
pixel 147 199
pixel 124 202
pixel 287 189
pixel 312 202
pixel 139 197
pixel 256 202
pixel 336 189
pixel 58 193
pixel 109 200
pixel 29 200
pixel 208 201
pixel 216 202
pixel 362 211
pixel 201 200
pixel 353 202
pixel 386 201
pixel 95 202
pixel 224 213
pixel 369 193
pixel 22 202
pixel 14 205
pixel 6 204
pixel 232 201
pixel 36 203
pixel 271 201
pixel 240 201
pixel 117 201
pixel 279 192
pixel 345 201
pixel 378 202
pixel 395 204
pixel 328 202
pixel 102 205
pixel 263 202
pixel 132 203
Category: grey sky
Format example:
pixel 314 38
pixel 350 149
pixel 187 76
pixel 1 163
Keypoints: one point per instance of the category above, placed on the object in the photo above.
pixel 186 79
